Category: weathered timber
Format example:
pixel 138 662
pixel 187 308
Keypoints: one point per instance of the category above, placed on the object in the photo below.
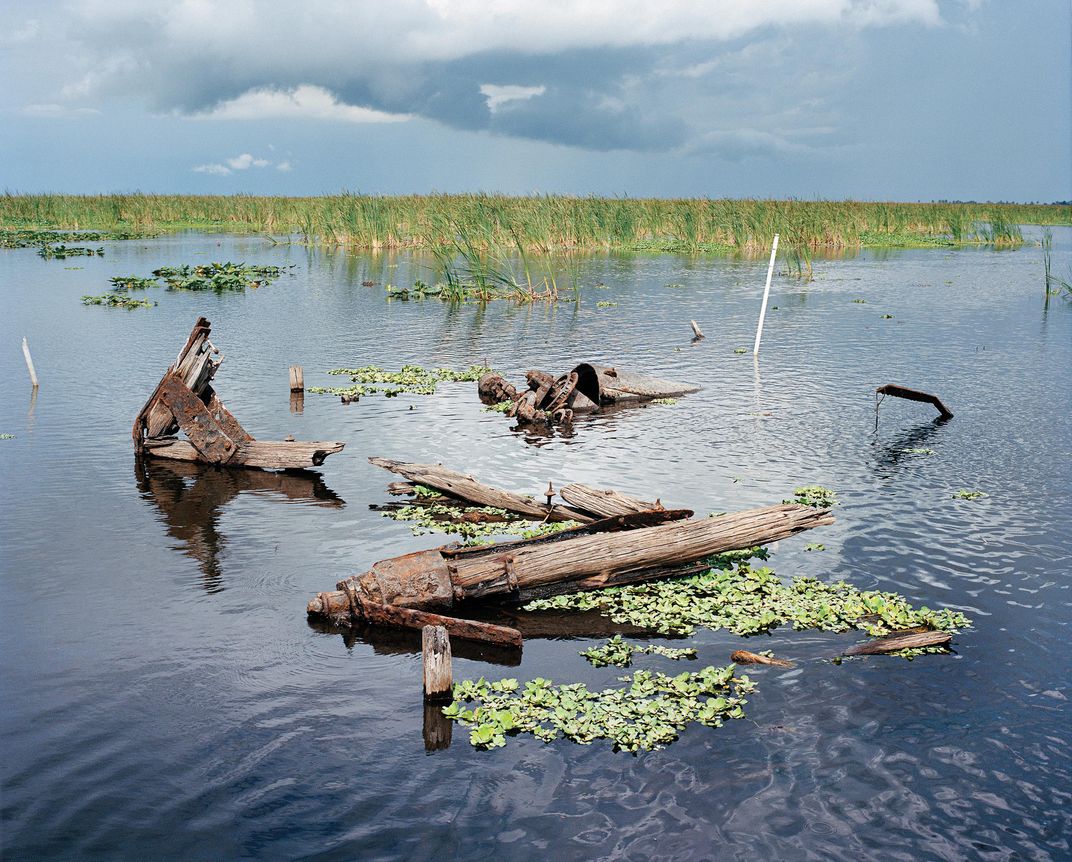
pixel 603 503
pixel 898 641
pixel 442 577
pixel 697 333
pixel 297 379
pixel 915 395
pixel 184 400
pixel 467 488
pixel 602 384
pixel 436 663
pixel 743 656
pixel 350 603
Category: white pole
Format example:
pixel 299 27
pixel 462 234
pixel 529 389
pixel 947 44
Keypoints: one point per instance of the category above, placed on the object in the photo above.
pixel 766 293
pixel 29 363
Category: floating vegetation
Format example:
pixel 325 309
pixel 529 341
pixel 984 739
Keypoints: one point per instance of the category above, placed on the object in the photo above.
pixel 219 277
pixel 815 546
pixel 474 524
pixel 117 300
pixel 645 715
pixel 917 450
pixel 547 528
pixel 412 379
pixel 749 601
pixel 740 350
pixel 32 238
pixel 605 303
pixel 501 407
pixel 663 401
pixel 969 495
pixel 64 251
pixel 813 495
pixel 132 282
pixel 860 301
pixel 7 436
pixel 619 652
pixel 887 317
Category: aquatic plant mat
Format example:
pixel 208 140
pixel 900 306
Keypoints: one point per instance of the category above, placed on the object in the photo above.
pixel 646 714
pixel 411 379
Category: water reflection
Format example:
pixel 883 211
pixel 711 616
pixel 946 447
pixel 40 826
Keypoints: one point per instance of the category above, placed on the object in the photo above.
pixel 191 497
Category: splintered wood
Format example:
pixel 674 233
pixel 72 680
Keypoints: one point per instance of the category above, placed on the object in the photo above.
pixel 185 401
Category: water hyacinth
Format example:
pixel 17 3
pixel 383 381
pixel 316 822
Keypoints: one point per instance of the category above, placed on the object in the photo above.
pixel 412 379
pixel 814 495
pixel 647 714
pixel 219 277
pixel 117 300
pixel 620 652
pixel 61 252
pixel 748 601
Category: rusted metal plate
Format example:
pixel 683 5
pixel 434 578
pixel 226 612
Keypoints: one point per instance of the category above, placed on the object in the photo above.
pixel 417 580
pixel 196 422
pixel 231 426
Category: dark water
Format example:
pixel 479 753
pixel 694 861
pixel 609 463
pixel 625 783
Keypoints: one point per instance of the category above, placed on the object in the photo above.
pixel 165 697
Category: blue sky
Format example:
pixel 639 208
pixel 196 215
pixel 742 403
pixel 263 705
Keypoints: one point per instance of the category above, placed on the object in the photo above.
pixel 870 99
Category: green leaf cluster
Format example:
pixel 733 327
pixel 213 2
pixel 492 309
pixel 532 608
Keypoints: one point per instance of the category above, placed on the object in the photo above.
pixel 64 251
pixel 646 714
pixel 413 379
pixel 132 282
pixel 219 277
pixel 969 495
pixel 619 652
pixel 117 300
pixel 748 601
pixel 814 495
pixel 460 521
pixel 917 450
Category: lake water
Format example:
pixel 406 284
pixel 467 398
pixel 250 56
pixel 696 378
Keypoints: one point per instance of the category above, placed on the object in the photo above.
pixel 165 697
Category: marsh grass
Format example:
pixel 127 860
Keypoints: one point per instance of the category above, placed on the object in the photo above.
pixel 481 228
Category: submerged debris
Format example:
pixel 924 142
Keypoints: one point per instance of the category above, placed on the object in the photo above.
pixel 645 715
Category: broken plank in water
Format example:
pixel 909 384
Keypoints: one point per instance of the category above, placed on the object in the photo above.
pixel 915 395
pixel 900 641
pixel 467 488
pixel 263 454
pixel 743 656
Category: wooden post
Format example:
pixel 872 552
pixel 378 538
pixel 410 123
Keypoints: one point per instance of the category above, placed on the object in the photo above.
pixel 766 294
pixel 696 331
pixel 297 379
pixel 438 676
pixel 29 362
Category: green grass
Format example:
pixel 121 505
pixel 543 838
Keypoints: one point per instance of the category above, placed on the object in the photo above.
pixel 476 232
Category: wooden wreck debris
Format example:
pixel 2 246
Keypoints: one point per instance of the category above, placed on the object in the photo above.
pixel 743 656
pixel 184 400
pixel 899 641
pixel 435 655
pixel 440 578
pixel 915 395
pixel 552 400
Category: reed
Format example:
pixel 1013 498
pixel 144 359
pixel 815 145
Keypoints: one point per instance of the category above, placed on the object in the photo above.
pixel 484 225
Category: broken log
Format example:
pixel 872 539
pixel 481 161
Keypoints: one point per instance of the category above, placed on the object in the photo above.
pixel 467 488
pixel 899 641
pixel 442 577
pixel 605 504
pixel 350 603
pixel 184 400
pixel 435 659
pixel 697 333
pixel 915 395
pixel 743 656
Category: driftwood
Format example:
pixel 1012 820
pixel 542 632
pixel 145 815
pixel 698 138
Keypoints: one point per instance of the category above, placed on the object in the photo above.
pixel 552 400
pixel 915 395
pixel 899 641
pixel 184 400
pixel 435 658
pixel 440 578
pixel 743 656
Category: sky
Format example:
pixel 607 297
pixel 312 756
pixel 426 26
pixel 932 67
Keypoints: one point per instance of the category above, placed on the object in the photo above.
pixel 866 99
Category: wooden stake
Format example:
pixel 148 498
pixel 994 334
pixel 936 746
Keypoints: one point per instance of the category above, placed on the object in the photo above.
pixel 438 676
pixel 766 294
pixel 297 379
pixel 696 331
pixel 29 362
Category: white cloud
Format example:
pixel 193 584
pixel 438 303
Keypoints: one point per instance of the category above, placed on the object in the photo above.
pixel 215 170
pixel 246 161
pixel 284 166
pixel 241 162
pixel 305 102
pixel 499 94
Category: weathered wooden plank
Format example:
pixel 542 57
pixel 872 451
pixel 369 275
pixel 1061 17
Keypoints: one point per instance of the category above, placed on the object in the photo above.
pixel 898 641
pixel 263 454
pixel 915 395
pixel 743 656
pixel 604 503
pixel 467 488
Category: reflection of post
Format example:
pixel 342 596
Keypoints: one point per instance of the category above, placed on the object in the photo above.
pixel 756 382
pixel 437 727
pixel 297 402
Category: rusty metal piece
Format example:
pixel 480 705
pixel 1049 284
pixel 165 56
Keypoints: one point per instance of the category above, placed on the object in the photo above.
pixel 417 580
pixel 194 418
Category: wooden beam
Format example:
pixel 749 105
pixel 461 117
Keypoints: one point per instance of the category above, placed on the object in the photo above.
pixel 915 395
